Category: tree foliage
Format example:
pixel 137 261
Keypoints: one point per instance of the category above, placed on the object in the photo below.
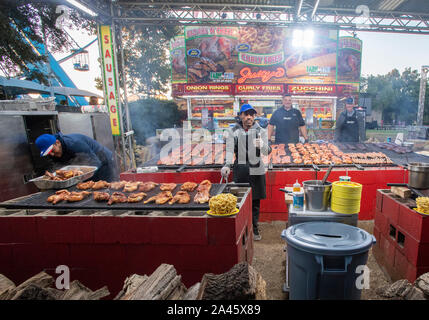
pixel 147 115
pixel 395 95
pixel 146 58
pixel 34 20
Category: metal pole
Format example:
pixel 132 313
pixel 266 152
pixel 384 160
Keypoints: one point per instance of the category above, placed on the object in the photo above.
pixel 423 81
pixel 127 111
pixel 118 88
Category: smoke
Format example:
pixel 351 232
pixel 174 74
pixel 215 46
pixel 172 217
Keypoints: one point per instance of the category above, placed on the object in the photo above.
pixel 147 115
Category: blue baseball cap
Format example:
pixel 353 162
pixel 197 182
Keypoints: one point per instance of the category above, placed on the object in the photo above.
pixel 45 143
pixel 349 100
pixel 246 107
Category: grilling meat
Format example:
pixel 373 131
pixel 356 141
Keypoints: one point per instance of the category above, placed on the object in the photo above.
pixel 117 197
pixel 67 174
pixel 59 196
pixel 147 186
pixel 61 175
pixel 181 197
pixel 100 185
pixel 189 186
pixel 131 186
pixel 203 194
pixel 118 185
pixel 101 196
pixel 160 198
pixel 167 186
pixel 85 185
pixel 77 196
pixel 136 197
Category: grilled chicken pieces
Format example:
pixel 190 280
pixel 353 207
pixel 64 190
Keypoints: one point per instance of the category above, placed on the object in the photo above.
pixel 100 185
pixel 101 196
pixel 203 194
pixel 131 186
pixel 61 175
pixel 117 197
pixel 180 197
pixel 160 198
pixel 136 197
pixel 147 186
pixel 85 185
pixel 189 186
pixel 77 196
pixel 59 196
pixel 167 186
pixel 118 185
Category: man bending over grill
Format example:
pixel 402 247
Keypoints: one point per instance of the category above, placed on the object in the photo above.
pixel 78 149
pixel 248 141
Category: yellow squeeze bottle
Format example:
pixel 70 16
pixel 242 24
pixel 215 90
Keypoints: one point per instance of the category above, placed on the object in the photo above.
pixel 296 187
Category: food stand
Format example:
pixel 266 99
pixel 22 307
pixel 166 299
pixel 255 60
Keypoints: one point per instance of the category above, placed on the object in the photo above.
pixel 217 69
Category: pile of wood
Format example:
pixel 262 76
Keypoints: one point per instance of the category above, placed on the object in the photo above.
pixel 242 282
pixel 41 287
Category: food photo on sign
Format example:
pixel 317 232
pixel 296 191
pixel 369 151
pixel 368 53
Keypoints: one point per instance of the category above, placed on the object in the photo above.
pixel 310 56
pixel 210 54
pixel 178 59
pixel 349 59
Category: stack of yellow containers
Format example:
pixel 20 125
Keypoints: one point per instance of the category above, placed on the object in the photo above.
pixel 346 197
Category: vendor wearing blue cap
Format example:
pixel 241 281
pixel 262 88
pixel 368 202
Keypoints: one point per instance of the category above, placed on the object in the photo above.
pixel 288 122
pixel 347 127
pixel 248 141
pixel 78 149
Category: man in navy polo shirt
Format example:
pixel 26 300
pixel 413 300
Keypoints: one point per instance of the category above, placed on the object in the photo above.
pixel 288 122
pixel 79 149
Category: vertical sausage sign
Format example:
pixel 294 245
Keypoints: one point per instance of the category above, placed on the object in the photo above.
pixel 109 78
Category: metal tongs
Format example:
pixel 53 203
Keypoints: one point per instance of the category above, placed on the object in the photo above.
pixel 227 188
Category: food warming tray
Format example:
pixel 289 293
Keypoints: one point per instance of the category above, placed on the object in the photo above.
pixel 45 184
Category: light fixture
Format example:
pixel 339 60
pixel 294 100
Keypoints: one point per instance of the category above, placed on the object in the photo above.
pixel 303 38
pixel 308 38
pixel 82 7
pixel 297 38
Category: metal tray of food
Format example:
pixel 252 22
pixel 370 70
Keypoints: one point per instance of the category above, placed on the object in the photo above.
pixel 44 184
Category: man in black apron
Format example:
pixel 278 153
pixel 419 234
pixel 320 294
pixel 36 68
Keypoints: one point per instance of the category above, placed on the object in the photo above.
pixel 288 122
pixel 347 127
pixel 248 141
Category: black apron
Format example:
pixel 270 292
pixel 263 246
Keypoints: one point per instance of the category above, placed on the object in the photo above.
pixel 350 129
pixel 257 182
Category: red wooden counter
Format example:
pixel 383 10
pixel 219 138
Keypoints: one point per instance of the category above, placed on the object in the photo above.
pixel 274 207
pixel 402 234
pixel 103 249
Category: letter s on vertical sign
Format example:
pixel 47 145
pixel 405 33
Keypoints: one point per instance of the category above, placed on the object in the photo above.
pixel 364 17
pixel 106 39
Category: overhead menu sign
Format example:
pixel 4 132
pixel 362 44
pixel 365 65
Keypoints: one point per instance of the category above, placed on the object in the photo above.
pixel 109 78
pixel 258 55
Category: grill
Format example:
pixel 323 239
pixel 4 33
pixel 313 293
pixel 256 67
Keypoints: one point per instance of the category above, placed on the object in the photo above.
pixel 38 201
pixel 397 158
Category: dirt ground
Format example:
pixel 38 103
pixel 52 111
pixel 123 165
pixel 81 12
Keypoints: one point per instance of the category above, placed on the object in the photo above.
pixel 269 260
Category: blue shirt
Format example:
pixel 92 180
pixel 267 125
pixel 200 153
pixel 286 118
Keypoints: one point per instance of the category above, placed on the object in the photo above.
pixel 78 145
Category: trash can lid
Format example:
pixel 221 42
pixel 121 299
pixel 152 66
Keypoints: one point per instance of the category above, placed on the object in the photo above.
pixel 329 238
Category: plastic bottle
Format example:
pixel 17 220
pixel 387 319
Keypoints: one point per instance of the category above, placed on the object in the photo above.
pixel 296 187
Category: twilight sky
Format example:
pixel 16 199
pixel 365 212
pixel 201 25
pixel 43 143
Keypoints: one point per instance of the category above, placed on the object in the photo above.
pixel 382 52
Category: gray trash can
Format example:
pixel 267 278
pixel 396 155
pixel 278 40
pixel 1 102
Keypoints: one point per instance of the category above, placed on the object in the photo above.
pixel 323 258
